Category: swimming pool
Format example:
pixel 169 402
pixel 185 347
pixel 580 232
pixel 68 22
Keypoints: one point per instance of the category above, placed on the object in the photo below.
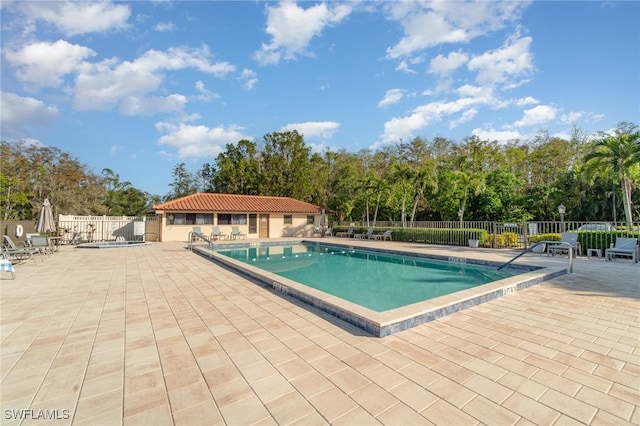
pixel 383 322
pixel 378 281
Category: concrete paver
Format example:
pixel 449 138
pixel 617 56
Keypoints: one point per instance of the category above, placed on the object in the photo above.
pixel 159 335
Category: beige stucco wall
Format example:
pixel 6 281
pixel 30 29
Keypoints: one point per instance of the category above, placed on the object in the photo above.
pixel 277 228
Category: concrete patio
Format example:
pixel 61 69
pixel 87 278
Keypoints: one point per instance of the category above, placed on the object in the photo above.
pixel 158 335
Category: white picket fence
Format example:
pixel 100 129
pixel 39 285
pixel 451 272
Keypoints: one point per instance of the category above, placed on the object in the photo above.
pixel 105 228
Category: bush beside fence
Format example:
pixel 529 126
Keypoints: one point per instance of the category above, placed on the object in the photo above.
pixel 498 235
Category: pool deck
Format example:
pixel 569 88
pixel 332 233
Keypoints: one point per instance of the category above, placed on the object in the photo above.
pixel 159 335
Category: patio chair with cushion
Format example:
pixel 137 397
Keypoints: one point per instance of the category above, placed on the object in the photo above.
pixel 41 242
pixel 386 235
pixel 365 236
pixel 623 247
pixel 217 234
pixel 235 233
pixel 15 253
pixel 76 238
pixel 567 237
pixel 345 234
pixel 196 233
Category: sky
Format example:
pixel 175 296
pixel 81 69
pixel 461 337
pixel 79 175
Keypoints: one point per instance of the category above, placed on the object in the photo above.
pixel 139 87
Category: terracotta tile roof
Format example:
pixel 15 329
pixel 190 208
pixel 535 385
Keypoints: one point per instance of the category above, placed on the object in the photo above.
pixel 208 202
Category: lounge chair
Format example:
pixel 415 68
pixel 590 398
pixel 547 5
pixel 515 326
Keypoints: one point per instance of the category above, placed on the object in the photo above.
pixel 386 235
pixel 196 232
pixel 365 236
pixel 13 252
pixel 328 232
pixel 41 242
pixel 13 246
pixel 217 234
pixel 235 233
pixel 76 238
pixel 567 237
pixel 345 234
pixel 623 247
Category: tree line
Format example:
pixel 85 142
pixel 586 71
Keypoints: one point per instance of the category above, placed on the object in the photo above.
pixel 29 173
pixel 596 179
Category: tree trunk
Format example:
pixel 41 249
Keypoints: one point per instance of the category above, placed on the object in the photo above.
pixel 404 210
pixel 626 197
pixel 375 214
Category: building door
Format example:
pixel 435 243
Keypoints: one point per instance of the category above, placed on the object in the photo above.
pixel 263 226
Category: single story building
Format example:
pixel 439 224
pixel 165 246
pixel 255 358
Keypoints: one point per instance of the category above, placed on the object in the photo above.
pixel 256 216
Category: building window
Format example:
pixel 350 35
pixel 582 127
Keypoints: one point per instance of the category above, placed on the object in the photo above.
pixel 288 219
pixel 311 219
pixel 224 219
pixel 239 219
pixel 204 219
pixel 253 223
pixel 189 219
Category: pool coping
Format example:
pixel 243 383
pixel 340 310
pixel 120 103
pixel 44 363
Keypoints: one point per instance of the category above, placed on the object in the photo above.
pixel 112 244
pixel 389 322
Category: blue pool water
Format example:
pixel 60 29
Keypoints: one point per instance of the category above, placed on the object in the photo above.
pixel 378 281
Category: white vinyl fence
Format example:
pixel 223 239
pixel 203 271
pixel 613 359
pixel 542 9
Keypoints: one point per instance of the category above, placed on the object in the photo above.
pixel 74 229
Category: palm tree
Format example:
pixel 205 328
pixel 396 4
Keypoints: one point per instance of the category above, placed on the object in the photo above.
pixel 469 182
pixel 617 157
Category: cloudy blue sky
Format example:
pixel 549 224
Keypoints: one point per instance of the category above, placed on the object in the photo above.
pixel 139 86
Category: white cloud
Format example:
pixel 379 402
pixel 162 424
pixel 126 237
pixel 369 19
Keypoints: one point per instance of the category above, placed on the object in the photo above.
pixel 445 65
pixel 176 58
pixel 507 66
pixel 205 94
pixel 574 117
pixel 250 79
pixel 198 141
pixel 162 27
pixel 77 17
pixel 152 105
pixel 291 29
pixel 44 64
pixel 526 101
pixel 404 67
pixel 428 24
pixel 102 85
pixel 321 129
pixel 464 118
pixel 502 136
pixel 391 97
pixel 540 114
pixel 424 30
pixel 482 95
pixel 19 114
pixel 463 108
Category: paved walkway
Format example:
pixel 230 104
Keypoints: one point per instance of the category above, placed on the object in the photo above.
pixel 158 335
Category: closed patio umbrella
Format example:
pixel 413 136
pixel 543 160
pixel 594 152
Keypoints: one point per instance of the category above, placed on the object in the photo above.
pixel 45 220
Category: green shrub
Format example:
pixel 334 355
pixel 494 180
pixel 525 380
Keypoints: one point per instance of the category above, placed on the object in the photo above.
pixel 444 236
pixel 504 240
pixel 602 239
pixel 532 239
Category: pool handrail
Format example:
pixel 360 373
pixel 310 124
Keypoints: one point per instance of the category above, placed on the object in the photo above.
pixel 558 243
pixel 199 235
